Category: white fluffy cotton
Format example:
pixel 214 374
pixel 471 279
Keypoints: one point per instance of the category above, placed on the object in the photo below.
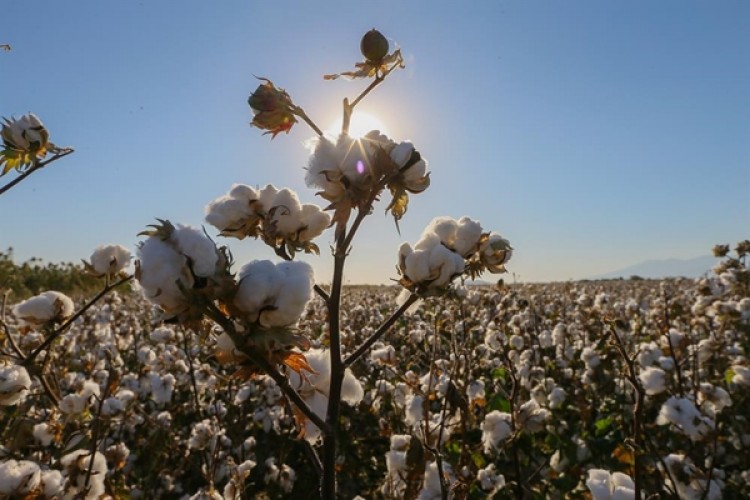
pixel 274 294
pixel 45 307
pixel 110 259
pixel 14 384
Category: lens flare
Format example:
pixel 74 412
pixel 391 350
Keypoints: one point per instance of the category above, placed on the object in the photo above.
pixel 360 167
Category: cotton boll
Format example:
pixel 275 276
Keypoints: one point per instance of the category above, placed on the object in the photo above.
pixel 741 375
pixel 194 244
pixel 45 307
pixel 43 434
pixel 322 160
pixel 431 489
pixel 227 213
pixel 351 389
pixel 489 479
pixel 76 465
pixel 110 259
pixel 417 265
pixel 73 404
pixel 428 241
pixel 266 197
pixel 318 403
pixel 258 280
pixel 384 355
pixel 401 153
pixel 495 429
pixel 623 487
pixel 52 483
pixel 162 387
pixel 244 193
pixel 14 384
pixel 314 220
pixel 446 264
pixel 292 293
pixel 598 484
pixel 468 232
pixel 160 268
pixel 445 228
pixel 414 407
pixel 285 212
pixel 556 397
pixel 18 477
pixel 682 413
pixel 653 380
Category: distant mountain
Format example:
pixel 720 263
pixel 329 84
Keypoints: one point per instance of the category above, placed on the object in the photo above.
pixel 665 268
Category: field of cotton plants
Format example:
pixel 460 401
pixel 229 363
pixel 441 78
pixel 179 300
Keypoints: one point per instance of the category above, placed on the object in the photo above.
pixel 523 391
pixel 197 377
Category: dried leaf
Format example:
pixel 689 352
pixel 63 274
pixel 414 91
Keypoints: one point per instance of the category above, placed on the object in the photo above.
pixel 297 362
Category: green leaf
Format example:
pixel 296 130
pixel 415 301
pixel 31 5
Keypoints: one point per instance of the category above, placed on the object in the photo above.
pixel 498 402
pixel 500 373
pixel 603 424
pixel 479 460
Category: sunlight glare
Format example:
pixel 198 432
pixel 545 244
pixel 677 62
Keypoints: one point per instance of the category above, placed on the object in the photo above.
pixel 360 125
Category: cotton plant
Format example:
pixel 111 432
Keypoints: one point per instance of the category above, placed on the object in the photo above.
pixel 276 216
pixel 258 310
pixel 267 379
pixel 25 147
pixel 448 249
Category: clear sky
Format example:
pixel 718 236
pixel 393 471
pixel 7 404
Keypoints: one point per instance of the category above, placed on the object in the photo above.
pixel 592 134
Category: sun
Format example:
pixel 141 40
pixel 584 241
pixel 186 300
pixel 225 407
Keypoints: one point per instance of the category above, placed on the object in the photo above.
pixel 361 123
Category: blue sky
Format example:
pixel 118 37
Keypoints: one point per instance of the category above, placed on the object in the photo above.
pixel 592 134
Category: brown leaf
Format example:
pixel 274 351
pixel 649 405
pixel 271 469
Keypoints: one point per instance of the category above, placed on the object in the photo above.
pixel 297 362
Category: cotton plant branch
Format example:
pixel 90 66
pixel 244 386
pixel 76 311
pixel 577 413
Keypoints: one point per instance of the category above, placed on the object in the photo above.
pixel 640 393
pixel 379 78
pixel 193 382
pixel 382 330
pixel 37 166
pixel 265 366
pixel 299 112
pixel 97 425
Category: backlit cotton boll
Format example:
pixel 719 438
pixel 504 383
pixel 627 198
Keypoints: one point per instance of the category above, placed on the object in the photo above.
pixel 274 294
pixel 430 264
pixel 347 163
pixel 412 166
pixel 174 258
pixel 43 308
pixel 461 236
pixel 495 251
pixel 110 259
pixel 160 269
pixel 234 214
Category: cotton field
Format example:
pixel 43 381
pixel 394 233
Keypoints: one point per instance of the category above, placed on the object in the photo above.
pixel 170 370
pixel 546 391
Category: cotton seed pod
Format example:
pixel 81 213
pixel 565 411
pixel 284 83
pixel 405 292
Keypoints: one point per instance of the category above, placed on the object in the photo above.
pixel 374 45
